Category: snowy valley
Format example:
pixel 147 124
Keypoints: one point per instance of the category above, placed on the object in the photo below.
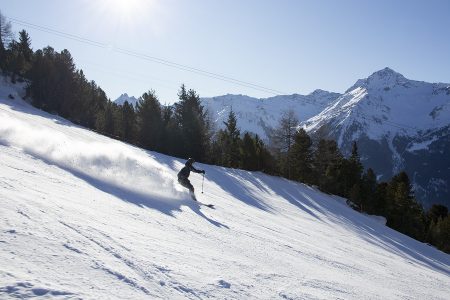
pixel 87 217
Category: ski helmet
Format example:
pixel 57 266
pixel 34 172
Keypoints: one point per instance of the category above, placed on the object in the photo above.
pixel 191 161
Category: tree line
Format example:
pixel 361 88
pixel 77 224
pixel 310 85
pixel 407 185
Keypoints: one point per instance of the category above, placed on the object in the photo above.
pixel 321 163
pixel 185 129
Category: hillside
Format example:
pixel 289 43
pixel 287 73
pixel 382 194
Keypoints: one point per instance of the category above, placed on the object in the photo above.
pixel 399 124
pixel 261 115
pixel 85 216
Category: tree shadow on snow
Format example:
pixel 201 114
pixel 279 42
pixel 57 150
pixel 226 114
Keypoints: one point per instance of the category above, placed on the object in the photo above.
pixel 331 209
pixel 395 242
pixel 300 196
pixel 379 235
pixel 232 181
pixel 296 194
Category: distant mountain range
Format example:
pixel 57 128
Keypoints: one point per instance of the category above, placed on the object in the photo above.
pixel 399 124
pixel 124 97
pixel 261 115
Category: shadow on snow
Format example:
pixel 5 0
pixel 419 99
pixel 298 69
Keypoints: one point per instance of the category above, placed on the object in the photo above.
pixel 307 199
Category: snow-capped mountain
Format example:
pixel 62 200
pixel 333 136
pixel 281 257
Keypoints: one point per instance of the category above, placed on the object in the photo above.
pixel 386 102
pixel 84 216
pixel 124 97
pixel 399 124
pixel 260 115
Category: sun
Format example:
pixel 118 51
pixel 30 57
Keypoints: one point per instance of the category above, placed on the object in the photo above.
pixel 124 10
pixel 126 7
pixel 127 17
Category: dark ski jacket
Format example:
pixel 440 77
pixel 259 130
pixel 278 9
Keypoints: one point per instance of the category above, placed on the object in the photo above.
pixel 188 167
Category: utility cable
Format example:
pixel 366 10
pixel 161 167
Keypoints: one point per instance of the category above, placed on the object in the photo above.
pixel 148 57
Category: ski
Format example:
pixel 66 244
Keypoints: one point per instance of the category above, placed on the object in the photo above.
pixel 207 205
pixel 200 203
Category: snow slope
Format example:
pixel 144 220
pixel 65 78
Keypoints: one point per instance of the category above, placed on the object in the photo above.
pixel 85 216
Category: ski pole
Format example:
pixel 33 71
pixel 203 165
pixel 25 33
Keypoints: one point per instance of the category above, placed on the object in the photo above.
pixel 203 181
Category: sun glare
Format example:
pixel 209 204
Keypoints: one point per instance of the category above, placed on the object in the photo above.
pixel 128 17
pixel 126 7
pixel 125 10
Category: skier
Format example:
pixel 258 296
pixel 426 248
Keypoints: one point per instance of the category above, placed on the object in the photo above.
pixel 184 174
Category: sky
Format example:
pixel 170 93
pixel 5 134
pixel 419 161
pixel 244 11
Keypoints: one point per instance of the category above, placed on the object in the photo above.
pixel 282 46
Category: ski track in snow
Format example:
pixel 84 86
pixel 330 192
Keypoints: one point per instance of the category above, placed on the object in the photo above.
pixel 87 217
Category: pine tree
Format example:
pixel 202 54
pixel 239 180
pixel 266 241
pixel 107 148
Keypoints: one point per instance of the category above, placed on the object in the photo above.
pixel 105 120
pixel 191 119
pixel 351 172
pixel 327 164
pixel 6 36
pixel 442 234
pixel 369 187
pixel 149 121
pixel 25 53
pixel 403 212
pixel 437 211
pixel 128 122
pixel 231 141
pixel 355 195
pixel 248 153
pixel 266 162
pixel 91 100
pixel 172 141
pixel 19 56
pixel 301 157
pixel 64 76
pixel 380 206
pixel 438 233
pixel 282 139
pixel 53 85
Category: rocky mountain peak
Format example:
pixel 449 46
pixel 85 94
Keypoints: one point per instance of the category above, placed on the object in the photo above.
pixel 124 97
pixel 383 79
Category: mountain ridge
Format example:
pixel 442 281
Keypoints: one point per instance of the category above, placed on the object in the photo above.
pixel 396 122
pixel 260 115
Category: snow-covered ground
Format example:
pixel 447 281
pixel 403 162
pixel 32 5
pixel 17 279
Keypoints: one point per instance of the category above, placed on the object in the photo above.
pixel 85 216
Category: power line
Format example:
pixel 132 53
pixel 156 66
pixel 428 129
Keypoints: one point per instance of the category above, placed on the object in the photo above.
pixel 180 66
pixel 164 83
pixel 148 57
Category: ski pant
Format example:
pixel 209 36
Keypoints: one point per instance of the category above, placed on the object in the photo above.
pixel 186 183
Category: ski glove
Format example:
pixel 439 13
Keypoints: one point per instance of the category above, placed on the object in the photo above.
pixel 203 171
